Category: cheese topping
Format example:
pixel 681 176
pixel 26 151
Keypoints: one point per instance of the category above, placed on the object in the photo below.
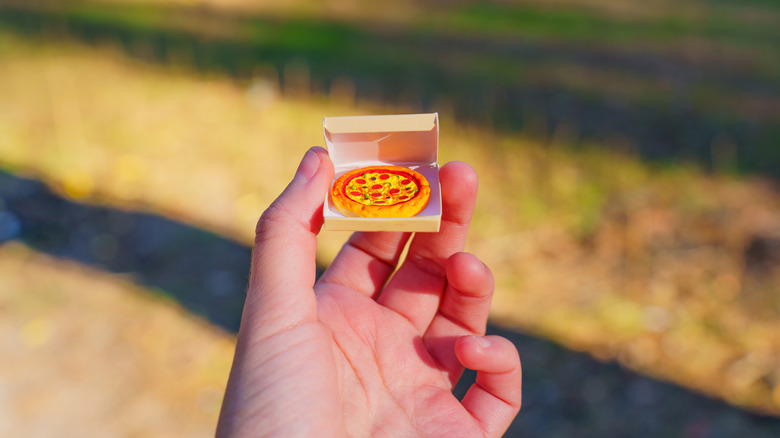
pixel 380 187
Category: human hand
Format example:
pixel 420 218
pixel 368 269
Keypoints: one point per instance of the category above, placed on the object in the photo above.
pixel 366 351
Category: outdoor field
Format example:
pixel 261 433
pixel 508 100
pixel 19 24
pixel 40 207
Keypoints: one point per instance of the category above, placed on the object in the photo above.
pixel 628 154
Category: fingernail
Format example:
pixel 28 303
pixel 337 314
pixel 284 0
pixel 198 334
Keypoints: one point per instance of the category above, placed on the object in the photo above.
pixel 309 165
pixel 482 341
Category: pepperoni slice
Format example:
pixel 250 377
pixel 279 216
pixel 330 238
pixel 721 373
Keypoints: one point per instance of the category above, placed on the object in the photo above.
pixel 376 195
pixel 360 181
pixel 394 191
pixel 384 176
pixel 401 198
pixel 354 193
pixel 379 202
pixel 406 181
pixel 376 187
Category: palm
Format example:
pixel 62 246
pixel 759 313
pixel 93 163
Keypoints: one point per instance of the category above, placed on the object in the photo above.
pixel 382 361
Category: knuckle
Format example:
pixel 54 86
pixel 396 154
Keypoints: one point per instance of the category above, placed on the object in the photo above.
pixel 428 265
pixel 271 223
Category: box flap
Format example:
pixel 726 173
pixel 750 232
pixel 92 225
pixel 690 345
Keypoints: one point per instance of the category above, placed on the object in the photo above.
pixel 359 124
pixel 408 139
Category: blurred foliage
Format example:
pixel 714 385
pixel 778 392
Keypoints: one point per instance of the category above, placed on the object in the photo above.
pixel 625 153
pixel 583 25
pixel 690 81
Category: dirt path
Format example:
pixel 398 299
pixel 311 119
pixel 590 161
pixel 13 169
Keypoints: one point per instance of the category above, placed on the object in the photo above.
pixel 86 353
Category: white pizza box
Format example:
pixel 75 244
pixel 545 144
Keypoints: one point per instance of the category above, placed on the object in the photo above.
pixel 408 140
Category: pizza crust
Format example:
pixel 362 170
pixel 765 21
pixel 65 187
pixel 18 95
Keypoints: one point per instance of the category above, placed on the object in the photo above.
pixel 362 200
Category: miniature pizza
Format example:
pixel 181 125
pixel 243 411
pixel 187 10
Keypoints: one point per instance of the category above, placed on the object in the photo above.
pixel 381 191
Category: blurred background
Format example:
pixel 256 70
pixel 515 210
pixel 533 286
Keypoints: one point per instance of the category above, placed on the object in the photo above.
pixel 628 154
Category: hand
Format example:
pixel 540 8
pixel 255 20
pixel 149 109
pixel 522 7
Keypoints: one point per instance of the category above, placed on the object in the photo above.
pixel 365 352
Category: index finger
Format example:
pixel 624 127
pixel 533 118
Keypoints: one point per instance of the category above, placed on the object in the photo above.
pixel 430 251
pixel 416 288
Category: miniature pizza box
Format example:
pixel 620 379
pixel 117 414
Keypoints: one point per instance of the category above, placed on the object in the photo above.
pixel 410 140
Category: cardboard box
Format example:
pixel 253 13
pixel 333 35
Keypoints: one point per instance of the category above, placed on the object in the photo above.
pixel 409 140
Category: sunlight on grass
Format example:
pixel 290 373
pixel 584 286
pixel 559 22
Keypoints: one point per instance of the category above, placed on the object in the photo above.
pixel 594 249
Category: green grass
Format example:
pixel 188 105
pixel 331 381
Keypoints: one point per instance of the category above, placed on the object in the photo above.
pixel 586 26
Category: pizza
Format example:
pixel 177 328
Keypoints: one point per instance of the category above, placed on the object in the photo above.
pixel 381 191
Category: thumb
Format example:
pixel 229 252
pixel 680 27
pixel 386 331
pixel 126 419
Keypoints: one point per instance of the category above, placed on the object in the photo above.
pixel 280 292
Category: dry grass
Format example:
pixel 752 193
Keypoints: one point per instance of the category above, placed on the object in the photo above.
pixel 595 250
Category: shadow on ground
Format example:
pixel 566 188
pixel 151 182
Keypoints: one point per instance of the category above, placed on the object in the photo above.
pixel 204 272
pixel 481 80
pixel 569 394
pixel 566 394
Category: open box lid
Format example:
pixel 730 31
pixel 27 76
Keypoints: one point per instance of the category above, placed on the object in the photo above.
pixel 408 140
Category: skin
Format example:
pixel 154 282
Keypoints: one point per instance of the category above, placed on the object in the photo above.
pixel 366 351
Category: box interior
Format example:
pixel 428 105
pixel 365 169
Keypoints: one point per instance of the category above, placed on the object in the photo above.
pixel 400 140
